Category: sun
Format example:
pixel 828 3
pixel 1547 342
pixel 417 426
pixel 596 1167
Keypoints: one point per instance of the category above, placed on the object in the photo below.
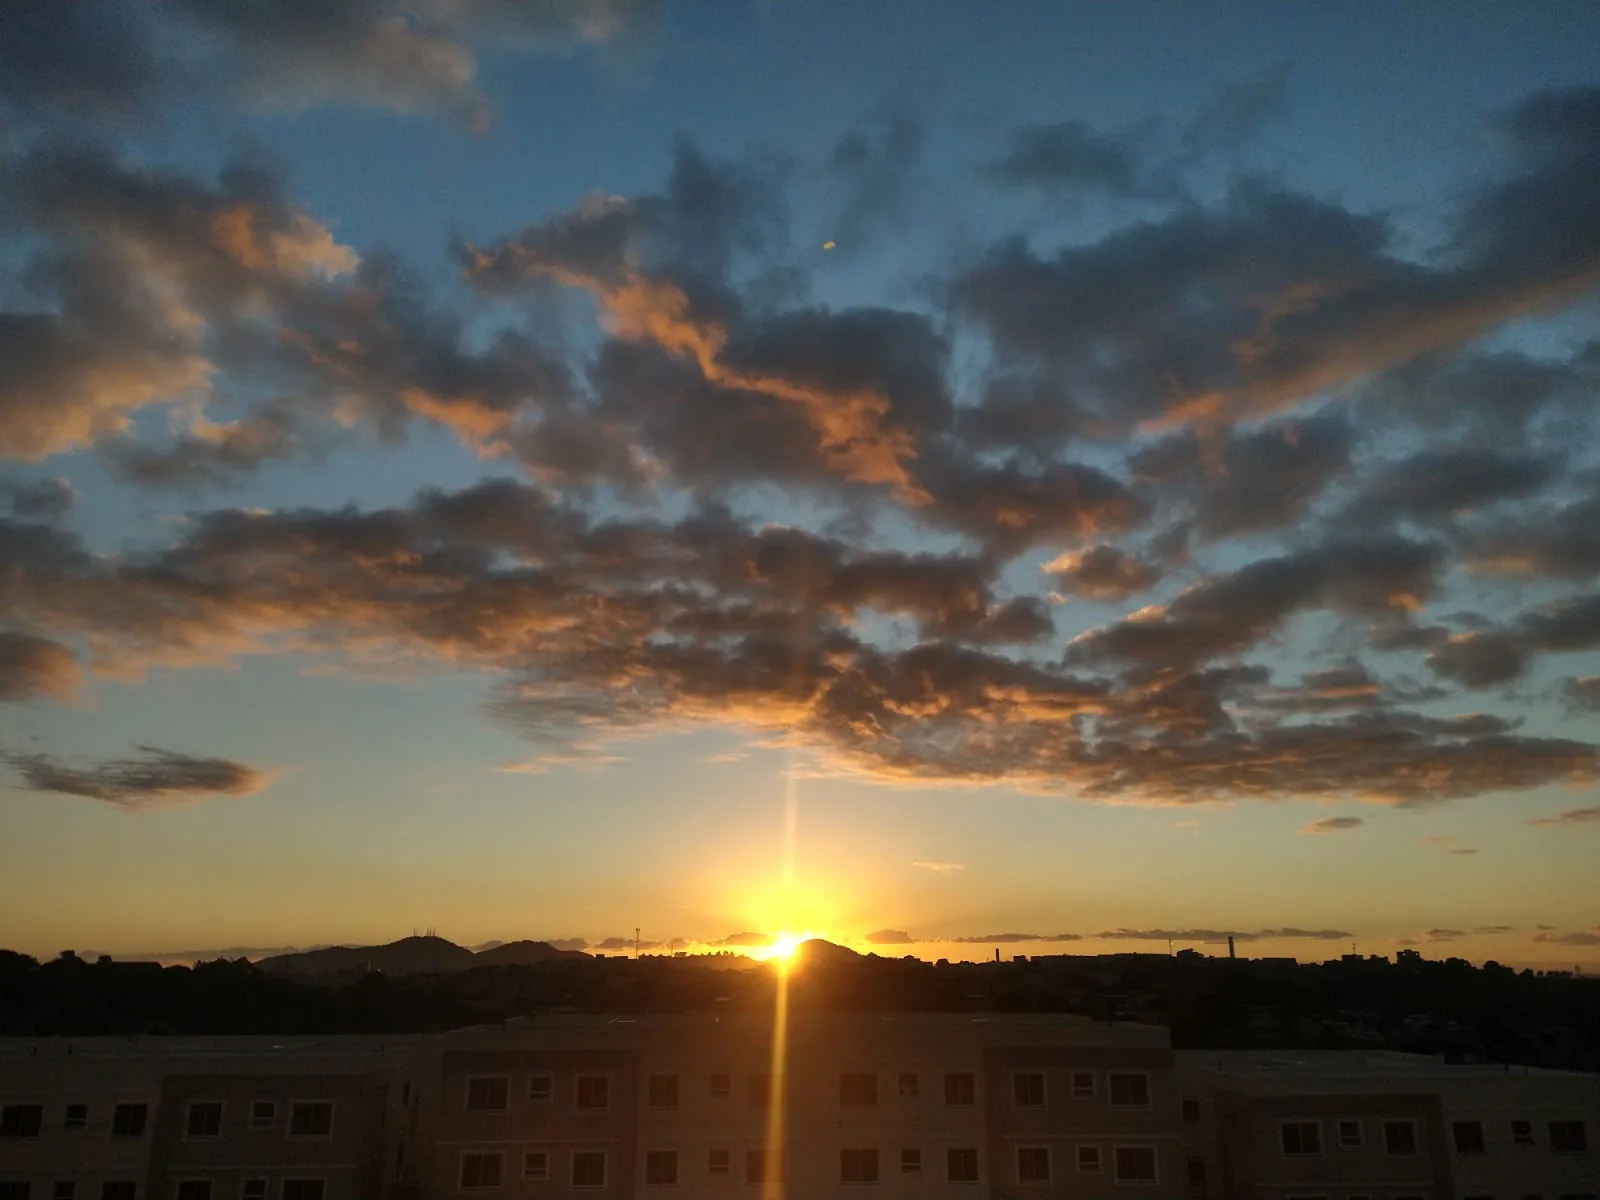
pixel 783 947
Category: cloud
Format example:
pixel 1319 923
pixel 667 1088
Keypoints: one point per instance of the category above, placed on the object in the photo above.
pixel 624 943
pixel 155 778
pixel 1287 933
pixel 42 499
pixel 1068 156
pixel 940 868
pixel 1012 939
pixel 1333 825
pixel 1103 573
pixel 890 937
pixel 1582 938
pixel 1463 850
pixel 1487 929
pixel 1445 935
pixel 743 940
pixel 1583 692
pixel 1573 816
pixel 574 943
pixel 33 666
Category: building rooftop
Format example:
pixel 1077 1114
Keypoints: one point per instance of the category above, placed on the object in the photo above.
pixel 1309 1065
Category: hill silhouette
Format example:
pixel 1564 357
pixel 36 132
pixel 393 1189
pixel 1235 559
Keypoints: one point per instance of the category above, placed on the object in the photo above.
pixel 409 956
pixel 522 954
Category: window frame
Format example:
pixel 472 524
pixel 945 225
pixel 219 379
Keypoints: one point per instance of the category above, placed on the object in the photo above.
pixel 131 1184
pixel 549 1080
pixel 81 1121
pixel 321 1181
pixel 950 1153
pixel 589 1153
pixel 206 1181
pixel 582 1077
pixel 716 1166
pixel 37 1124
pixel 1416 1140
pixel 540 1173
pixel 1111 1095
pixel 1080 1093
pixel 1526 1136
pixel 1044 1088
pixel 480 1156
pixel 1118 1179
pixel 961 1083
pixel 1358 1141
pixel 332 1107
pixel 188 1119
pixel 1482 1146
pixel 64 1189
pixel 909 1085
pixel 721 1085
pixel 866 1161
pixel 1299 1122
pixel 272 1114
pixel 1049 1166
pixel 1578 1123
pixel 1187 1105
pixel 246 1193
pixel 130 1108
pixel 650 1100
pixel 466 1094
pixel 1099 1160
pixel 911 1160
pixel 668 1155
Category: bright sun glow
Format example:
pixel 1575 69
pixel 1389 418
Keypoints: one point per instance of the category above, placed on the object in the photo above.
pixel 782 947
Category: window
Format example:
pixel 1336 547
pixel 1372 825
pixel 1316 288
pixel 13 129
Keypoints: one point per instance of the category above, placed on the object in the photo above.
pixel 119 1189
pixel 311 1119
pixel 64 1190
pixel 204 1119
pixel 1522 1133
pixel 536 1164
pixel 1468 1137
pixel 194 1189
pixel 858 1166
pixel 759 1091
pixel 588 1168
pixel 479 1169
pixel 961 1090
pixel 1083 1085
pixel 1191 1111
pixel 1033 1164
pixel 253 1189
pixel 541 1089
pixel 21 1120
pixel 858 1090
pixel 1568 1137
pixel 1350 1133
pixel 661 1168
pixel 14 1191
pixel 1136 1164
pixel 77 1116
pixel 263 1114
pixel 1027 1089
pixel 305 1189
pixel 721 1085
pixel 1088 1160
pixel 1301 1138
pixel 593 1092
pixel 128 1120
pixel 717 1162
pixel 488 1093
pixel 910 1085
pixel 763 1166
pixel 911 1161
pixel 663 1091
pixel 961 1166
pixel 1400 1137
pixel 1128 1089
pixel 1197 1171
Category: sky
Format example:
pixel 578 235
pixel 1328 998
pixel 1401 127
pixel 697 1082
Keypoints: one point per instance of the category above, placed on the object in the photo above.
pixel 1065 480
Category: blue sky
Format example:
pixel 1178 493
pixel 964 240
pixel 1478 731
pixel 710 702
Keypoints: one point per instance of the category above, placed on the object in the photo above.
pixel 448 482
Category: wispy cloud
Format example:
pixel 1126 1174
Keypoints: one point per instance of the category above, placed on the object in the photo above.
pixel 1333 825
pixel 890 937
pixel 151 779
pixel 940 868
pixel 1573 816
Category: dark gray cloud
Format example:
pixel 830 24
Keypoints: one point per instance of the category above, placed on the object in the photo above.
pixel 1434 486
pixel 1444 935
pixel 878 172
pixel 1583 692
pixel 1333 825
pixel 153 778
pixel 1068 156
pixel 1573 816
pixel 1287 933
pixel 891 937
pixel 1578 938
pixel 1013 939
pixel 32 667
pixel 45 499
pixel 1103 573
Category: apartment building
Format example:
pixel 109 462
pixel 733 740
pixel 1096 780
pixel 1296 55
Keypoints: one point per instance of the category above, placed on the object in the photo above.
pixel 239 1118
pixel 903 1106
pixel 1353 1125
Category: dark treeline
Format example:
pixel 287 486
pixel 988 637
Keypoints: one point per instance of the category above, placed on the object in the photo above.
pixel 1451 1007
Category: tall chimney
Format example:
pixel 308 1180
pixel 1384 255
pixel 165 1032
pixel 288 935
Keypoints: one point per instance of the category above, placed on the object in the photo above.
pixel 1230 945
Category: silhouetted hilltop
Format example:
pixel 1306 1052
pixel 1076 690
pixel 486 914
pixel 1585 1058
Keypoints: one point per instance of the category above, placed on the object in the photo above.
pixel 408 956
pixel 821 951
pixel 521 954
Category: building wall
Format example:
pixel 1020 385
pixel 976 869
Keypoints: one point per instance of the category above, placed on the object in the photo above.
pixel 1506 1168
